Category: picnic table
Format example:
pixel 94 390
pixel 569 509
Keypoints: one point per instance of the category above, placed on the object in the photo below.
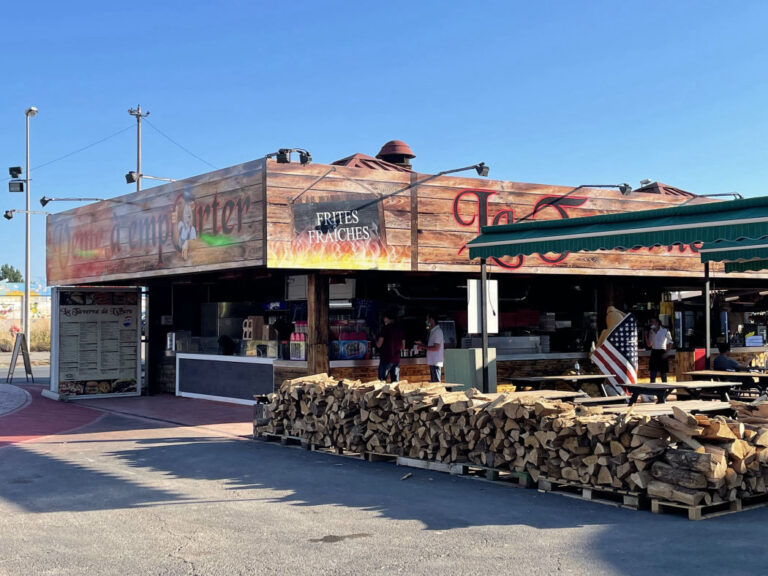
pixel 690 406
pixel 694 388
pixel 757 380
pixel 548 394
pixel 601 400
pixel 575 380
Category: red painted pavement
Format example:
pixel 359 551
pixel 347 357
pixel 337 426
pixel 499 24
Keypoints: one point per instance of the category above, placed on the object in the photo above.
pixel 43 417
pixel 230 419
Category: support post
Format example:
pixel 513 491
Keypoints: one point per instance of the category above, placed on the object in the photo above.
pixel 484 321
pixel 28 246
pixel 317 323
pixel 707 315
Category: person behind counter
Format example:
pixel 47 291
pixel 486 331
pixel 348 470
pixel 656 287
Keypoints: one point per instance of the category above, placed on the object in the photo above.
pixel 725 362
pixel 390 342
pixel 227 346
pixel 435 345
pixel 658 339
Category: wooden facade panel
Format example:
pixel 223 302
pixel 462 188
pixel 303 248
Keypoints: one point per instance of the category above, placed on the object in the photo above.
pixel 208 222
pixel 335 222
pixel 670 264
pixel 316 216
pixel 451 211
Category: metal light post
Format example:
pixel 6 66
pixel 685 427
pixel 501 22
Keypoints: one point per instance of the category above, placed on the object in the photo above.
pixel 31 111
pixel 137 113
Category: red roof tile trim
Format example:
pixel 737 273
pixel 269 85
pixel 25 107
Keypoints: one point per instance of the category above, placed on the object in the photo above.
pixel 664 189
pixel 365 161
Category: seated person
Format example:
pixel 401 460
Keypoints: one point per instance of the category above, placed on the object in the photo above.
pixel 725 362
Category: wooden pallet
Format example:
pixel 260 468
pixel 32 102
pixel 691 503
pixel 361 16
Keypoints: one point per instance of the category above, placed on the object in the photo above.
pixel 702 512
pixel 379 457
pixel 332 450
pixel 283 439
pixel 336 451
pixel 517 477
pixel 599 494
pixel 429 465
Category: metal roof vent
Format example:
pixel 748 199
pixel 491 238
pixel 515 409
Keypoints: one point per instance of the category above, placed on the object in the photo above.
pixel 396 152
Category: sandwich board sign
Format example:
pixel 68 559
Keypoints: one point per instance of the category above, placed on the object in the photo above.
pixel 20 345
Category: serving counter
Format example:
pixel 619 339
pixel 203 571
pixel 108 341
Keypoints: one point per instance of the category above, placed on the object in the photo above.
pixel 238 378
pixel 233 379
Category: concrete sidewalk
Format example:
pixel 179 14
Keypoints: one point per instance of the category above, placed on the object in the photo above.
pixel 12 398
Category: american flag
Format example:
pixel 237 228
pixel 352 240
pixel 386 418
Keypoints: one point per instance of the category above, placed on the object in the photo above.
pixel 618 354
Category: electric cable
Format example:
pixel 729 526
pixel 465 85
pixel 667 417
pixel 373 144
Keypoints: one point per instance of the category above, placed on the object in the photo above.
pixel 164 135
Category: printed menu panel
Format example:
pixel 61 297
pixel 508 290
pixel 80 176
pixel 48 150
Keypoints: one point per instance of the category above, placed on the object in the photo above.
pixel 98 341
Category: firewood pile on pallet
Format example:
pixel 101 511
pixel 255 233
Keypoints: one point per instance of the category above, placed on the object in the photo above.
pixel 691 459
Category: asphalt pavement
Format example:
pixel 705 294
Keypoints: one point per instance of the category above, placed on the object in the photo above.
pixel 164 491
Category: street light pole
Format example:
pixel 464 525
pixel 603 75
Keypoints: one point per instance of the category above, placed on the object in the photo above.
pixel 137 113
pixel 31 111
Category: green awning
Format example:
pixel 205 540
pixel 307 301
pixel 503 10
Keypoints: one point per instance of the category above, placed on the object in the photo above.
pixel 752 266
pixel 735 250
pixel 710 222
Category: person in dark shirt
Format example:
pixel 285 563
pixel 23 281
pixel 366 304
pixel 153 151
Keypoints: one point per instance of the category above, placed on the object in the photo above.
pixel 227 346
pixel 390 342
pixel 725 362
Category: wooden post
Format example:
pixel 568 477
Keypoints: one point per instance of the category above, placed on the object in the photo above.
pixel 484 321
pixel 317 323
pixel 707 316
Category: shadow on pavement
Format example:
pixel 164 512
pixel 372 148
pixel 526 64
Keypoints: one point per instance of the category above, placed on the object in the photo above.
pixel 89 474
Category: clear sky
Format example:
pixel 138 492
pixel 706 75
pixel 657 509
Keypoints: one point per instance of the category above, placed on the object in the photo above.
pixel 559 92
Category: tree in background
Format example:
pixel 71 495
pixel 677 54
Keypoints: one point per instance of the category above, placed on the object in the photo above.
pixel 8 272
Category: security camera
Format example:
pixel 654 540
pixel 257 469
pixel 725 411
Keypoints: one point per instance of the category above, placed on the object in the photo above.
pixel 8 215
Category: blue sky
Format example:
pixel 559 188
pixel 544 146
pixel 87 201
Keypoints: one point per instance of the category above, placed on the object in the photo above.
pixel 557 92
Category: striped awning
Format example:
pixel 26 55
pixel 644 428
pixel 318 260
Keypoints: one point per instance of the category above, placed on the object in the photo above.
pixel 738 255
pixel 710 222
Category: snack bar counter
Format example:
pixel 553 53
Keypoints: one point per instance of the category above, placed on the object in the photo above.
pixel 235 379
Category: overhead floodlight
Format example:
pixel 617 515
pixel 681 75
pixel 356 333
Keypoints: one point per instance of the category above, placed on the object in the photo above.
pixel 45 200
pixel 16 186
pixel 284 156
pixel 15 171
pixel 625 189
pixel 31 111
pixel 8 214
pixel 304 156
pixel 133 176
pixel 482 169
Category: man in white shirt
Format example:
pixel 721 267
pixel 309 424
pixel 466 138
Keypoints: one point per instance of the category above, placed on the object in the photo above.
pixel 658 339
pixel 435 345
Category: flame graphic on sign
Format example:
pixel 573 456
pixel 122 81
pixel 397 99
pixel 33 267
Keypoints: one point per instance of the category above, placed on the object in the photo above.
pixel 368 254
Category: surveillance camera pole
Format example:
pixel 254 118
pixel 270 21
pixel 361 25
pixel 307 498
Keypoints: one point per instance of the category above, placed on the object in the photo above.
pixel 31 111
pixel 137 112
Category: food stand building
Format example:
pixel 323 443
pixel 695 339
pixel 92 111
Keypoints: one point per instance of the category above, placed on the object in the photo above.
pixel 295 262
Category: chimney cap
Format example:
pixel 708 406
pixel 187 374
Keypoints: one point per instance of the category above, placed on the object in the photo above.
pixel 395 148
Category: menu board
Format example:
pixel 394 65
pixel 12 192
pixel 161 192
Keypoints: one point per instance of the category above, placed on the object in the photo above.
pixel 96 341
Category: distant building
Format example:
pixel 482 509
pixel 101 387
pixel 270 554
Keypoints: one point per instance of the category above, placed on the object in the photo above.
pixel 12 303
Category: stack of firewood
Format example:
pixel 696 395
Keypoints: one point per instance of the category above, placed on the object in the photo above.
pixel 705 460
pixel 679 457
